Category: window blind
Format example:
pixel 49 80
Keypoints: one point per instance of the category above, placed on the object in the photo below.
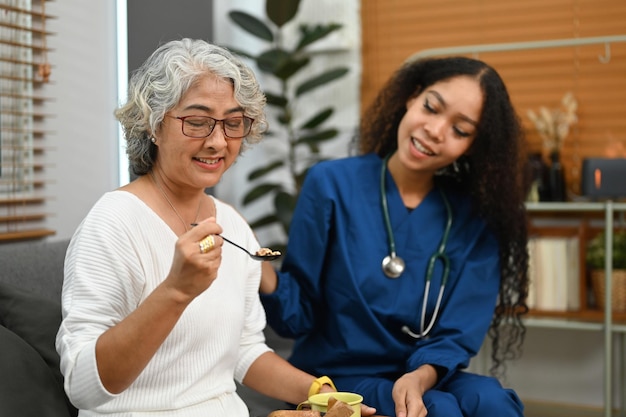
pixel 595 74
pixel 24 71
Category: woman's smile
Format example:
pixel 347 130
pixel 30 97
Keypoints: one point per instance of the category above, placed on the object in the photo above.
pixel 208 161
pixel 421 147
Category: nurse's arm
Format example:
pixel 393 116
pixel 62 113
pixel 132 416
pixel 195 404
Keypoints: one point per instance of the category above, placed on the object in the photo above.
pixel 269 279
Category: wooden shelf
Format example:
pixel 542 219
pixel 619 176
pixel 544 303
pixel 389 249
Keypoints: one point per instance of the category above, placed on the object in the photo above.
pixel 589 218
pixel 22 218
pixel 584 221
pixel 590 315
pixel 25 235
pixel 14 201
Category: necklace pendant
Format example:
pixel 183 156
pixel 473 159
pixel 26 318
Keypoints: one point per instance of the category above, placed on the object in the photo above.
pixel 169 202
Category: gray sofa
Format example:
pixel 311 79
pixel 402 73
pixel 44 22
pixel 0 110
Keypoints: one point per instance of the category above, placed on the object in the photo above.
pixel 31 275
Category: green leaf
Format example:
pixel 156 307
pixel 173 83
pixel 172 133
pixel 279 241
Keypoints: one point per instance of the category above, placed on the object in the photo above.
pixel 291 66
pixel 284 119
pixel 596 250
pixel 310 34
pixel 281 11
pixel 275 100
pixel 314 140
pixel 281 63
pixel 318 137
pixel 318 119
pixel 264 221
pixel 320 80
pixel 252 25
pixel 259 172
pixel 258 192
pixel 240 52
pixel 272 60
pixel 285 204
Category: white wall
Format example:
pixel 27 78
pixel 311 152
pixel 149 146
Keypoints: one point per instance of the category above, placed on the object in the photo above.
pixel 558 365
pixel 83 160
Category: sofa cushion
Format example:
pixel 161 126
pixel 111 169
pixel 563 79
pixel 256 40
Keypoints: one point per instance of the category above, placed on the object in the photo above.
pixel 35 266
pixel 27 387
pixel 35 320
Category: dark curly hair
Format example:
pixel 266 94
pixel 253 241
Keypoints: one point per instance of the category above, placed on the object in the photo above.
pixel 491 172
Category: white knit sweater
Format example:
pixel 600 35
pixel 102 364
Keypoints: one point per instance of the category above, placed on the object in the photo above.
pixel 120 252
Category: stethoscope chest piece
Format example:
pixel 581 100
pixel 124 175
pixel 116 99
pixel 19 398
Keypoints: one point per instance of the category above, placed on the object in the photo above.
pixel 393 266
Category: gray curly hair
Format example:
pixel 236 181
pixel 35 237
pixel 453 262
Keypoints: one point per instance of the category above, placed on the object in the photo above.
pixel 159 84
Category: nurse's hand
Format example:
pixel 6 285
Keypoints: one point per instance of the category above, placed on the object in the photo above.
pixel 408 391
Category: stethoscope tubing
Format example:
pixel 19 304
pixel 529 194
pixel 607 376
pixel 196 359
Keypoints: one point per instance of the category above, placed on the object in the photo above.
pixel 383 194
pixel 439 255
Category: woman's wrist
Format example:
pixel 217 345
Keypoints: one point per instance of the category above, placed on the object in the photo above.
pixel 427 376
pixel 318 383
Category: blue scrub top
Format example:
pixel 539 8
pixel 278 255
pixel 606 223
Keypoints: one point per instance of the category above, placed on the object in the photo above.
pixel 344 312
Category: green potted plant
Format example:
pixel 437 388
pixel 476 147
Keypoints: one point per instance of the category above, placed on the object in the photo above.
pixel 595 259
pixel 304 133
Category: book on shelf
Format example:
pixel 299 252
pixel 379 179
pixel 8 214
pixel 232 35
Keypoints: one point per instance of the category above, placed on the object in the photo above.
pixel 554 272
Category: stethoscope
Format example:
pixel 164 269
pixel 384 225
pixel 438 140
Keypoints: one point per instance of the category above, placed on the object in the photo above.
pixel 393 265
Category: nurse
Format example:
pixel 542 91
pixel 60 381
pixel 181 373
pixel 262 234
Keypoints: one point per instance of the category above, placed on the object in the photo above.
pixel 402 259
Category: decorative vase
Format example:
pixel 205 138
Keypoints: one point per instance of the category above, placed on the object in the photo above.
pixel 556 178
pixel 537 171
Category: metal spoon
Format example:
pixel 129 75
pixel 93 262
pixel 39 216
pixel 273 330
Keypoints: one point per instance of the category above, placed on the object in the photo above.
pixel 268 257
pixel 254 256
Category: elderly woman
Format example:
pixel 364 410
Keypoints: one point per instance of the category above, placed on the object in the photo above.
pixel 158 316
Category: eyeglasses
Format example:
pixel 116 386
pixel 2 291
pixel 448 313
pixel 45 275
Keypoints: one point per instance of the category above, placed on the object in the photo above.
pixel 202 126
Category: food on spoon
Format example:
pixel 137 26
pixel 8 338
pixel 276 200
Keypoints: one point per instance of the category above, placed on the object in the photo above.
pixel 267 252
